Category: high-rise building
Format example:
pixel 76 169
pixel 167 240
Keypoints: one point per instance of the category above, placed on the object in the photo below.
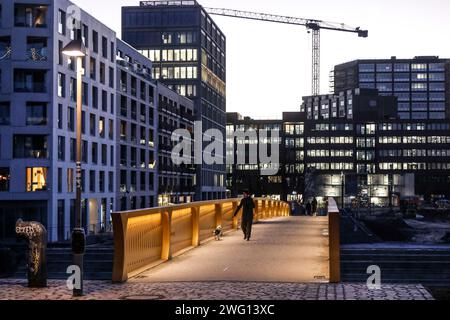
pixel 176 182
pixel 188 53
pixel 137 121
pixel 421 84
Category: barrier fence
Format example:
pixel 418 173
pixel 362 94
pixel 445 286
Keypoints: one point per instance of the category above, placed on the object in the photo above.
pixel 148 237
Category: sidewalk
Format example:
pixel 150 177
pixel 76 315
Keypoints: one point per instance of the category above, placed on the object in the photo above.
pixel 105 290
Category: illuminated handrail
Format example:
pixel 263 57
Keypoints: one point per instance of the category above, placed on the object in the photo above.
pixel 146 238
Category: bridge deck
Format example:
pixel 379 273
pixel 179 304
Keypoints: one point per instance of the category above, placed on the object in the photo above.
pixel 292 249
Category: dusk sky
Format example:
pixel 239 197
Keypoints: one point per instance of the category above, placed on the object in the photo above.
pixel 269 65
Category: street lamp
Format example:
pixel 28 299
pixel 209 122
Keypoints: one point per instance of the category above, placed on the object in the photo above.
pixel 391 186
pixel 76 49
pixel 343 189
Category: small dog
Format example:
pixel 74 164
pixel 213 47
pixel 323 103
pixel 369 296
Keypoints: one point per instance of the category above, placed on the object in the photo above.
pixel 218 233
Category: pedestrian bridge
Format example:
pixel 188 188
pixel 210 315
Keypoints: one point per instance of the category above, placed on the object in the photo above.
pixel 172 244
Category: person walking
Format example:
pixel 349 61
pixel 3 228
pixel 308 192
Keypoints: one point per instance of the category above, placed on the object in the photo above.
pixel 308 208
pixel 248 206
pixel 314 206
pixel 302 209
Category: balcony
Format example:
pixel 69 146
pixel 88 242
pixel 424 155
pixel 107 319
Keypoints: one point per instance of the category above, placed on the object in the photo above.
pixel 30 16
pixel 134 68
pixel 164 147
pixel 5 48
pixel 123 86
pixel 188 116
pixel 37 49
pixel 30 81
pixel 30 147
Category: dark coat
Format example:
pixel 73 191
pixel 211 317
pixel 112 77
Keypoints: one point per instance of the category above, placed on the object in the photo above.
pixel 247 204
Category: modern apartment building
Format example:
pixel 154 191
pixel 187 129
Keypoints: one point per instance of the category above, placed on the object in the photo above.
pixel 137 133
pixel 356 141
pixel 188 53
pixel 38 119
pixel 421 84
pixel 176 182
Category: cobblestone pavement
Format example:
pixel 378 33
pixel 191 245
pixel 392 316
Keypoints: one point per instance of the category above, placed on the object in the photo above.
pixel 105 290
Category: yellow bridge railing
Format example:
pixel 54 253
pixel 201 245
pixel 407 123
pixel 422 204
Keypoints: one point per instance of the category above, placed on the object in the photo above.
pixel 334 241
pixel 146 238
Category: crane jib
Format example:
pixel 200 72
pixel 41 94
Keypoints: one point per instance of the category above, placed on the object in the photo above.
pixel 311 24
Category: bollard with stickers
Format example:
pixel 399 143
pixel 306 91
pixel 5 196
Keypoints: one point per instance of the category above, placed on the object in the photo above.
pixel 36 235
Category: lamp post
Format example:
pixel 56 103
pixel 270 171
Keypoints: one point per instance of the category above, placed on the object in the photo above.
pixel 76 49
pixel 343 189
pixel 391 186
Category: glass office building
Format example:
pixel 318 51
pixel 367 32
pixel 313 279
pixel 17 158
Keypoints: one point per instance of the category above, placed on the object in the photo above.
pixel 421 84
pixel 188 53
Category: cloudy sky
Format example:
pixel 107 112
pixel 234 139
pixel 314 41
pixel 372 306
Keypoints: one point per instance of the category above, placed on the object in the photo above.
pixel 269 65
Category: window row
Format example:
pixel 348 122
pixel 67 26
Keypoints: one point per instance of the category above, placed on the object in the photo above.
pixel 171 55
pixel 333 140
pixel 35 114
pixel 62 92
pixel 175 73
pixel 401 77
pixel 99 126
pixel 405 86
pixel 89 150
pixel 133 181
pixel 137 158
pixel 414 139
pixel 401 67
pixel 330 153
pixel 331 166
pixel 136 134
pixel 415 153
pixel 412 166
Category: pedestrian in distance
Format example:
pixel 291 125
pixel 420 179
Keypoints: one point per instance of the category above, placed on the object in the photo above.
pixel 247 205
pixel 302 209
pixel 314 205
pixel 308 208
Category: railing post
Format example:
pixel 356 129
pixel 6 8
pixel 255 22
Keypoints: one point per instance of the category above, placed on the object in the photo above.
pixel 195 226
pixel 120 224
pixel 166 220
pixel 263 209
pixel 256 212
pixel 270 209
pixel 334 241
pixel 235 219
pixel 218 209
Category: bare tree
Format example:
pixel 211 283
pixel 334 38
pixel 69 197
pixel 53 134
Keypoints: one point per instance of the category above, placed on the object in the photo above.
pixel 309 182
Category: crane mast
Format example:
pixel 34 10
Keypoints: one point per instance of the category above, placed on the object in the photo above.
pixel 312 25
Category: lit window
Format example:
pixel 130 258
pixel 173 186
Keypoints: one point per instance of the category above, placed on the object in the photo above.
pixel 36 179
pixel 4 179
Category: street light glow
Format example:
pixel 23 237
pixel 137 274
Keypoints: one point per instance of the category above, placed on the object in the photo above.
pixel 75 48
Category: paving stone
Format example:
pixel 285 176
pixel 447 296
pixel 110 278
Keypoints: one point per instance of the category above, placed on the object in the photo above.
pixel 104 290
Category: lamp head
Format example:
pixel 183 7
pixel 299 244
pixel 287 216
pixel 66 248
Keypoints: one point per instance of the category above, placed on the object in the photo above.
pixel 75 48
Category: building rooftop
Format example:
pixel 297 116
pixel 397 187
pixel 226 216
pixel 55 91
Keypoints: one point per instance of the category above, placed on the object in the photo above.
pixel 168 3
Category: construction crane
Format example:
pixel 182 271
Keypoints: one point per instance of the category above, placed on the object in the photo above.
pixel 312 25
